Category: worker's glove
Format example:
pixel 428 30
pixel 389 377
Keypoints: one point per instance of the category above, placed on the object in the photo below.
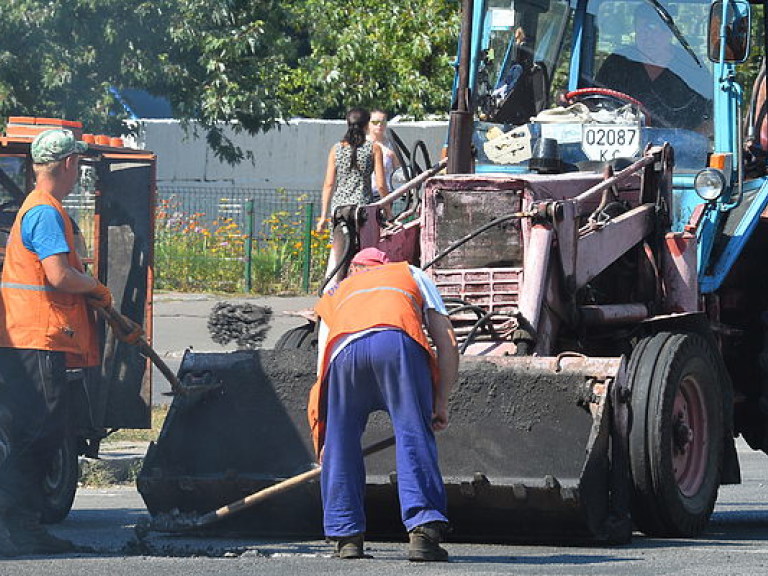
pixel 100 297
pixel 127 330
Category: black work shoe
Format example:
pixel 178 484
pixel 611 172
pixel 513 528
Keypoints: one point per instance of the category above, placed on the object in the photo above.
pixel 425 543
pixel 29 537
pixel 349 547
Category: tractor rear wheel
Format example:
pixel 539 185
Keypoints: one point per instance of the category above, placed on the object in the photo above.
pixel 676 433
pixel 60 482
pixel 300 338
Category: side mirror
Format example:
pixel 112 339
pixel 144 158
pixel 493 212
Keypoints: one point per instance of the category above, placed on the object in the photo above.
pixel 729 21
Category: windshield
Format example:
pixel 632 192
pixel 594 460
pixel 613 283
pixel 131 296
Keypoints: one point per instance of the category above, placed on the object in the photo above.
pixel 521 41
pixel 654 51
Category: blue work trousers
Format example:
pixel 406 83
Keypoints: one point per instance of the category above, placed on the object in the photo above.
pixel 385 370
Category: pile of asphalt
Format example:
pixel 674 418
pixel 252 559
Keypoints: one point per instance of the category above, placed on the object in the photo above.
pixel 244 323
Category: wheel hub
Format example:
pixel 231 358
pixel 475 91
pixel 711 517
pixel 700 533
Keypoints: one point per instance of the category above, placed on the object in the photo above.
pixel 690 436
pixel 683 435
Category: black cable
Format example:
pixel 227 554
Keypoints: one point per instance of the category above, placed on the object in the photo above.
pixel 343 260
pixel 416 167
pixel 476 309
pixel 477 326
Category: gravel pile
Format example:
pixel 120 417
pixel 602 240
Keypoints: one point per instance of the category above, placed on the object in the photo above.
pixel 246 324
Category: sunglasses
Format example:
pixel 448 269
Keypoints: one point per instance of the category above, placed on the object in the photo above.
pixel 377 122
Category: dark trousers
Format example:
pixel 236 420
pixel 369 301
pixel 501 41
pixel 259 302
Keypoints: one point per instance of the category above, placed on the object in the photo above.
pixel 389 371
pixel 33 391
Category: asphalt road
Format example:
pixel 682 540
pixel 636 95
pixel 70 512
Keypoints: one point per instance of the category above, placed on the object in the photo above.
pixel 102 523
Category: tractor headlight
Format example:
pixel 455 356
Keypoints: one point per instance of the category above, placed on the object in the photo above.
pixel 709 184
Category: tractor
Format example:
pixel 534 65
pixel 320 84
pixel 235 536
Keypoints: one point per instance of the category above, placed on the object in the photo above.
pixel 601 255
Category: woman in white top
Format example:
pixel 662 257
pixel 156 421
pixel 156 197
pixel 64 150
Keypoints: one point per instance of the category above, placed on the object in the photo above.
pixel 377 132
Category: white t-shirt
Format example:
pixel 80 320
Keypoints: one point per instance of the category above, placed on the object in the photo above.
pixel 389 168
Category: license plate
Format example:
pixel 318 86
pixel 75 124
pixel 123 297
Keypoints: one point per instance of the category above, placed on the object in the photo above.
pixel 606 142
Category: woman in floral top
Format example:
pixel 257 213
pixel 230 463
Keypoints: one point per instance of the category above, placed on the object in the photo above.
pixel 351 163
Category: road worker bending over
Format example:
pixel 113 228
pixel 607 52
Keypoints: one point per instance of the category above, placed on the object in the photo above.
pixel 374 355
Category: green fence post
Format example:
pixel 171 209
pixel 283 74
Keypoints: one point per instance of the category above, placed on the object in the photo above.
pixel 308 217
pixel 248 243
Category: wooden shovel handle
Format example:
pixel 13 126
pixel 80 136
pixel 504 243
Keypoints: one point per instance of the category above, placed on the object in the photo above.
pixel 279 488
pixel 118 322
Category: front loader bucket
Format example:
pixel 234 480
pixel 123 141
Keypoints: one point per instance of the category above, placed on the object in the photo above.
pixel 530 452
pixel 531 449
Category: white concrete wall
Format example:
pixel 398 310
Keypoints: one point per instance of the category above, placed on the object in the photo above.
pixel 292 157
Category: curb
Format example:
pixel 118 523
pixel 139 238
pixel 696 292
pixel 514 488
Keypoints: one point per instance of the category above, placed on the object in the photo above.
pixel 118 463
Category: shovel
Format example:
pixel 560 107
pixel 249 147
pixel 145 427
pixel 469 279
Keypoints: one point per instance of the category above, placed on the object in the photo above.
pixel 181 522
pixel 119 323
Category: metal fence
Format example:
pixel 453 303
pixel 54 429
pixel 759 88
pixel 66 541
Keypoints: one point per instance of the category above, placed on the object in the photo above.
pixel 234 238
pixel 217 204
pixel 226 239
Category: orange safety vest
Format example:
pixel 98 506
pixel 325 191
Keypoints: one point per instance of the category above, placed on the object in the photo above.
pixel 384 295
pixel 33 314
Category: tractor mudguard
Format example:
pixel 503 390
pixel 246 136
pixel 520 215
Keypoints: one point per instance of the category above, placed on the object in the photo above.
pixel 527 454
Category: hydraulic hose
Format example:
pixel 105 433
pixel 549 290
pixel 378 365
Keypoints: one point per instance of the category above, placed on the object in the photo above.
pixel 468 237
pixel 477 325
pixel 344 260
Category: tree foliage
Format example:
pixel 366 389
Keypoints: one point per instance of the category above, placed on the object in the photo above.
pixel 391 54
pixel 244 64
pixel 59 57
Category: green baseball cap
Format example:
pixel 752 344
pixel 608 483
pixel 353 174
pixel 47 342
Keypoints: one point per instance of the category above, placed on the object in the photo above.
pixel 54 145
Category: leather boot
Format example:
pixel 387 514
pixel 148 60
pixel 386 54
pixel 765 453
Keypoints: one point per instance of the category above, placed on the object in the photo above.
pixel 349 547
pixel 30 537
pixel 425 543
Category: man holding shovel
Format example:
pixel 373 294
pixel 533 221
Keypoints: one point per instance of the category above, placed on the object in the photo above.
pixel 375 355
pixel 45 327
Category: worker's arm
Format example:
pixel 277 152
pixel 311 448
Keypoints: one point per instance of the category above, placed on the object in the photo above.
pixel 330 179
pixel 65 278
pixel 441 332
pixel 42 232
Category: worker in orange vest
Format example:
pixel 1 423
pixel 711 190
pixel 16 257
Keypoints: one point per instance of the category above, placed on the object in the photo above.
pixel 375 355
pixel 46 325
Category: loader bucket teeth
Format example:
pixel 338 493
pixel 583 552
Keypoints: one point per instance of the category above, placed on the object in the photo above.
pixel 251 432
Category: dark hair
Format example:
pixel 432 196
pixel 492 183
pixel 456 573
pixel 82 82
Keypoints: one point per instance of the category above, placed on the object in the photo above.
pixel 357 123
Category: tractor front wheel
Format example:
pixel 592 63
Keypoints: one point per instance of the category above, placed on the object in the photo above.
pixel 676 433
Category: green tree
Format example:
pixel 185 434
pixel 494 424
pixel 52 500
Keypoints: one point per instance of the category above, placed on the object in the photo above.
pixel 215 60
pixel 59 57
pixel 224 65
pixel 244 64
pixel 392 54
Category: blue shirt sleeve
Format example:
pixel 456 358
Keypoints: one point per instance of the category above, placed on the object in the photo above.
pixel 42 232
